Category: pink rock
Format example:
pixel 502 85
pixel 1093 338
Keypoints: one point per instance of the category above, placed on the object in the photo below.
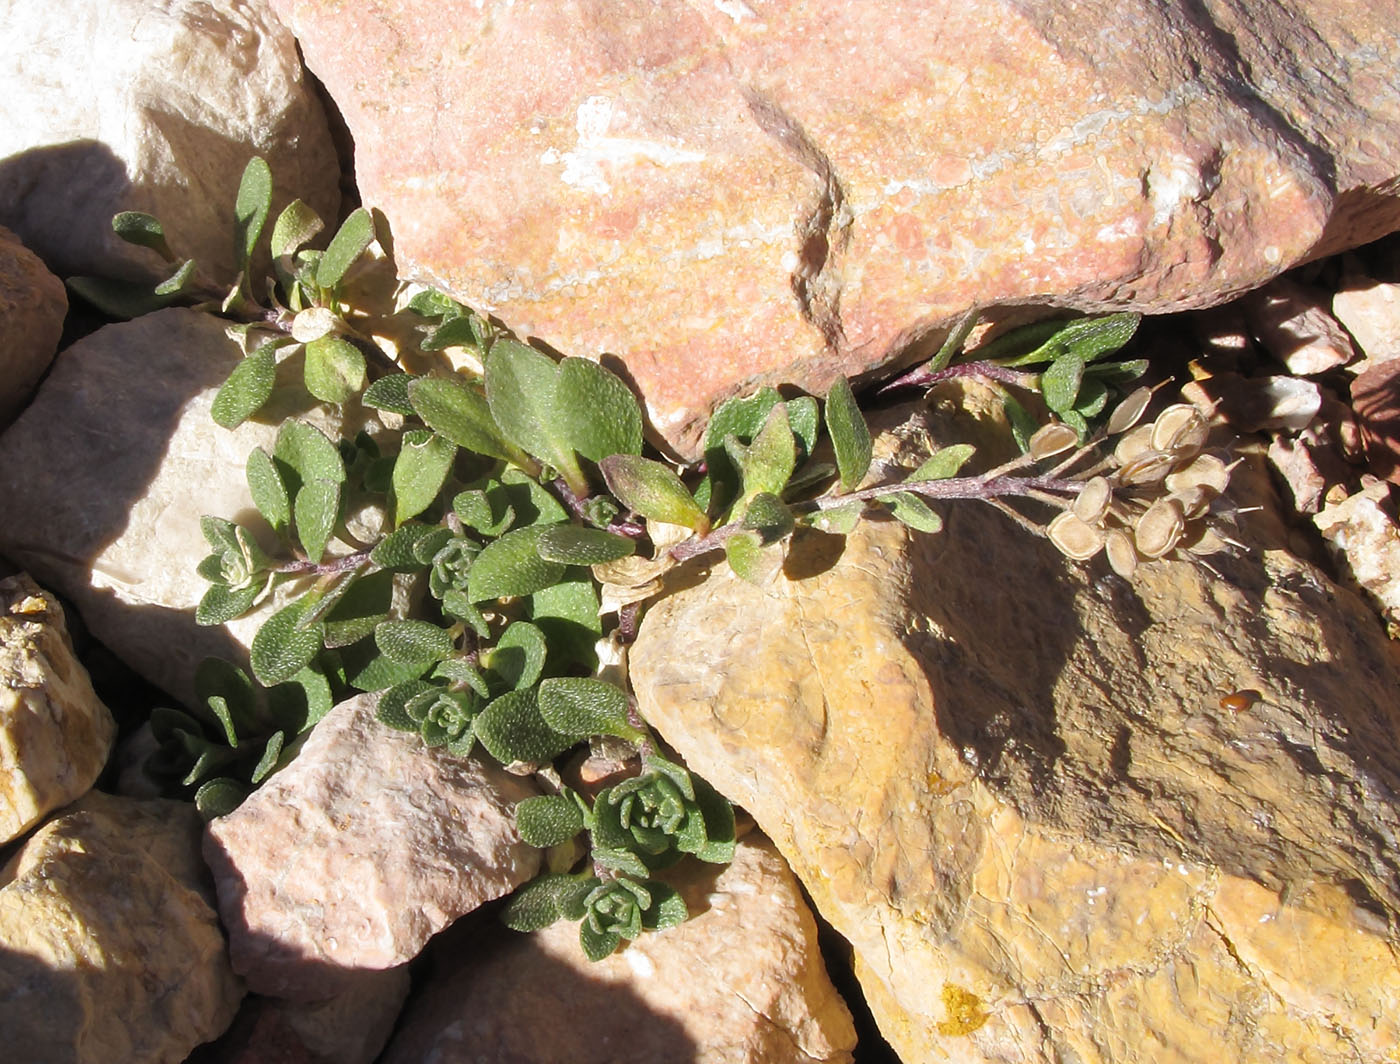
pixel 359 851
pixel 1370 310
pixel 756 191
pixel 1293 324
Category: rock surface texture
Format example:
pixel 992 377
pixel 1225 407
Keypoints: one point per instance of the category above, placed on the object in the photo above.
pixel 107 474
pixel 741 982
pixel 32 306
pixel 359 851
pixel 110 950
pixel 1017 787
pixel 133 105
pixel 55 734
pixel 699 188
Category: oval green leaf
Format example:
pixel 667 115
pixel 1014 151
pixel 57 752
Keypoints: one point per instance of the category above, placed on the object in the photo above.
pixel 251 206
pixel 355 234
pixel 247 388
pixel 574 545
pixel 335 369
pixel 512 729
pixel 420 471
pixel 596 412
pixel 652 490
pixel 267 489
pixel 548 820
pixel 316 512
pixel 582 706
pixel 850 437
pixel 282 648
pixel 511 566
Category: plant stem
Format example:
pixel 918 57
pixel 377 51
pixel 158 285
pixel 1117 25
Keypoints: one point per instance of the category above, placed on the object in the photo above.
pixel 923 377
pixel 951 488
pixel 299 566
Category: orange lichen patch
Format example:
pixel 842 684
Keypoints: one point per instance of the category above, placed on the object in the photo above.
pixel 963 1009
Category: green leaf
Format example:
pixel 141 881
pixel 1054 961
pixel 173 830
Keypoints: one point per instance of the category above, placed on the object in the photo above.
pixel 583 707
pixel 548 820
pixel 144 230
pixel 307 452
pixel 850 437
pixel 533 504
pixel 1059 384
pixel 944 462
pixel 454 332
pixel 511 729
pixel 282 648
pixel 1023 426
pixel 717 817
pixel 390 708
pixel 219 797
pixel 355 234
pixel 216 678
pixel 542 901
pixel 301 702
pixel 360 609
pixel 390 393
pixel 839 520
pixel 247 388
pixel 573 545
pixel 220 533
pixel 335 369
pixel 911 510
pixel 416 643
pixel 297 224
pixel 487 512
pixel 750 560
pixel 953 342
pixel 118 299
pixel 567 614
pixel 369 670
pixel 395 551
pixel 767 463
pixel 521 385
pixel 1093 397
pixel 454 409
pixel 597 944
pixel 268 492
pixel 652 490
pixel 1088 339
pixel 804 422
pixel 176 282
pixel 667 907
pixel 518 656
pixel 595 411
pixel 511 566
pixel 268 761
pixel 769 516
pixel 316 511
pixel 251 207
pixel 420 472
pixel 222 603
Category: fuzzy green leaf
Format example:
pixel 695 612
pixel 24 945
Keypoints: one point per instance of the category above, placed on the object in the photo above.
pixel 316 511
pixel 420 472
pixel 532 503
pixel 567 614
pixel 247 388
pixel 307 454
pixel 596 412
pixel 667 908
pixel 769 516
pixel 144 230
pixel 521 388
pixel 512 729
pixel 944 462
pixel 542 901
pixel 573 545
pixel 911 510
pixel 268 761
pixel 355 234
pixel 487 512
pixel 548 820
pixel 416 643
pixel 582 706
pixel 390 708
pixel 767 463
pixel 335 369
pixel 652 490
pixel 518 656
pixel 390 393
pixel 953 342
pixel 850 437
pixel 1023 426
pixel 297 224
pixel 220 533
pixel 176 282
pixel 1059 384
pixel 219 797
pixel 301 702
pixel 454 409
pixel 839 520
pixel 750 559
pixel 395 551
pixel 369 670
pixel 221 603
pixel 268 492
pixel 511 566
pixel 251 206
pixel 360 609
pixel 454 332
pixel 282 648
pixel 216 678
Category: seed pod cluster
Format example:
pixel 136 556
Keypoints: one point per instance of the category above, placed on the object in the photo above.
pixel 1154 502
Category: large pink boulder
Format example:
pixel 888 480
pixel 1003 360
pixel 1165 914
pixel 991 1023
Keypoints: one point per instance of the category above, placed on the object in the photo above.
pixel 740 192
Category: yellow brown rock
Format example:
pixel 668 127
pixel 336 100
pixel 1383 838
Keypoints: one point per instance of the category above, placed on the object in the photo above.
pixel 55 734
pixel 110 950
pixel 1028 795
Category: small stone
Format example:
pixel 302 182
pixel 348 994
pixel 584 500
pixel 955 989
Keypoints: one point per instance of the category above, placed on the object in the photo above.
pixel 32 305
pixel 1375 396
pixel 1254 404
pixel 1362 531
pixel 110 949
pixel 360 850
pixel 55 734
pixel 1292 323
pixel 740 982
pixel 1370 310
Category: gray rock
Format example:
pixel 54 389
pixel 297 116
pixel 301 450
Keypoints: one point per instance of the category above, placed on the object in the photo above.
pixel 113 105
pixel 359 851
pixel 32 306
pixel 110 949
pixel 55 734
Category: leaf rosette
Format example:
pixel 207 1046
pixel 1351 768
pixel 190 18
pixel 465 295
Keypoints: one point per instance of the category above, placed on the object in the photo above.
pixel 450 566
pixel 620 908
pixel 650 821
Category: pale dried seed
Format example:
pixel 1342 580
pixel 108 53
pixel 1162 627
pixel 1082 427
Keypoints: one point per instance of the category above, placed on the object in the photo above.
pixel 1132 444
pixel 1147 468
pixel 1208 542
pixel 1125 415
pixel 1122 555
pixel 1194 501
pixel 1074 538
pixel 1093 500
pixel 1205 471
pixel 1052 439
pixel 1159 529
pixel 1178 428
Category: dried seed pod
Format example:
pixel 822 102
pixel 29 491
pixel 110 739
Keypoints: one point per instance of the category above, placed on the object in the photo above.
pixel 1159 529
pixel 1074 538
pixel 1132 444
pixel 1122 554
pixel 1179 428
pixel 1093 500
pixel 1125 415
pixel 1208 541
pixel 1194 500
pixel 1205 470
pixel 1149 467
pixel 1052 439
